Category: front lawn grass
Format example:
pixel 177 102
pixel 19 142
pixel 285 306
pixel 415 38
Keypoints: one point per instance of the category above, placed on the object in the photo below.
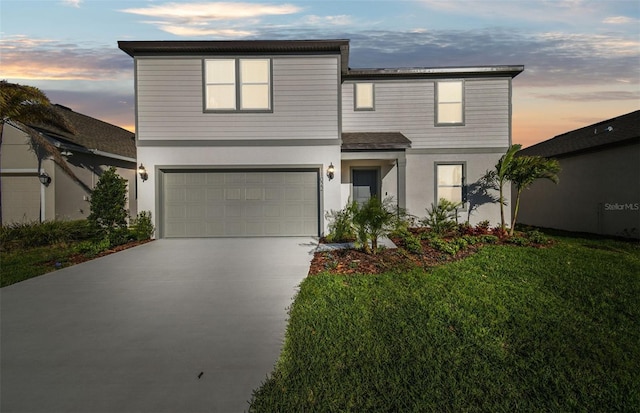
pixel 509 329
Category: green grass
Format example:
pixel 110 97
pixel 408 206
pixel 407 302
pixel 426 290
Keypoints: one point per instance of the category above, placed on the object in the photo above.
pixel 510 329
pixel 23 264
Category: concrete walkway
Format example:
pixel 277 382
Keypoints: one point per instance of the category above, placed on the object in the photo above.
pixel 183 325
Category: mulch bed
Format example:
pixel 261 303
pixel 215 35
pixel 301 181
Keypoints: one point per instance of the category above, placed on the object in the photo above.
pixel 351 261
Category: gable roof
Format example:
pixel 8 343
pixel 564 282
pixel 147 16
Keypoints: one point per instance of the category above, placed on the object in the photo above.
pixel 92 135
pixel 372 141
pixel 612 131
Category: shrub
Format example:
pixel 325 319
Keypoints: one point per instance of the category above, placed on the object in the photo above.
pixel 36 234
pixel 372 219
pixel 442 245
pixel 518 240
pixel 537 237
pixel 108 200
pixel 441 218
pixel 142 226
pixel 92 248
pixel 409 241
pixel 341 225
pixel 488 239
pixel 483 227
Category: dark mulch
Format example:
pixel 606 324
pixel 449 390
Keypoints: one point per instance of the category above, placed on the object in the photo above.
pixel 351 261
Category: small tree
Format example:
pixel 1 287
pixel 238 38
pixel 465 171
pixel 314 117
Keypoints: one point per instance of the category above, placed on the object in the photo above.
pixel 503 167
pixel 372 219
pixel 442 217
pixel 108 201
pixel 526 169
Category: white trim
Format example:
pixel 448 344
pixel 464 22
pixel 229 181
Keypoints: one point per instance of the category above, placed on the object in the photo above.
pixel 112 155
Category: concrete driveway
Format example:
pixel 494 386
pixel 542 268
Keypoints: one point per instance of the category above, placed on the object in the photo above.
pixel 177 325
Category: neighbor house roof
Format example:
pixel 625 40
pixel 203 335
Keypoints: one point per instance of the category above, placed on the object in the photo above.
pixel 615 131
pixel 91 135
pixel 372 141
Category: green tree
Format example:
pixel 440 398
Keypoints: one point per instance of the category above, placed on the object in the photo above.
pixel 524 170
pixel 27 105
pixel 108 204
pixel 372 220
pixel 503 168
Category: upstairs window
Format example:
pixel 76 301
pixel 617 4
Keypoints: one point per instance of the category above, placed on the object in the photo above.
pixel 237 85
pixel 450 182
pixel 364 96
pixel 450 103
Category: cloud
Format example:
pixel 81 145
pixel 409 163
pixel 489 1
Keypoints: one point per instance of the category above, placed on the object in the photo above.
pixel 195 31
pixel 193 13
pixel 29 58
pixel 536 11
pixel 620 20
pixel 203 19
pixel 340 20
pixel 74 3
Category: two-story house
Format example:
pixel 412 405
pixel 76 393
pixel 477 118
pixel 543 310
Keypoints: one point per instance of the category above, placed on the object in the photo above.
pixel 263 138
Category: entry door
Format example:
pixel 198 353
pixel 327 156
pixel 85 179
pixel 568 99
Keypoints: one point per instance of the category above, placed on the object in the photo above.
pixel 365 184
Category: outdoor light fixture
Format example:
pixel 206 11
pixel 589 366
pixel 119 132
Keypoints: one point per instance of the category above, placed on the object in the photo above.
pixel 143 173
pixel 66 153
pixel 44 179
pixel 331 171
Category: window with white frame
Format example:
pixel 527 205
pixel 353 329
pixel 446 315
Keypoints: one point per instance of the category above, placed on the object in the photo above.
pixel 450 182
pixel 364 96
pixel 237 84
pixel 450 102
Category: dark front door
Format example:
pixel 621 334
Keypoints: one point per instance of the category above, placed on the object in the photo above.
pixel 365 184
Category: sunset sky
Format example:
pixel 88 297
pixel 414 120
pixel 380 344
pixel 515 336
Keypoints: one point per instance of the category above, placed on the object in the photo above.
pixel 581 57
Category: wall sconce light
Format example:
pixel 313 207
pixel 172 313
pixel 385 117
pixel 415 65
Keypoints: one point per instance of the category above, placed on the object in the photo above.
pixel 44 179
pixel 143 172
pixel 331 171
pixel 66 153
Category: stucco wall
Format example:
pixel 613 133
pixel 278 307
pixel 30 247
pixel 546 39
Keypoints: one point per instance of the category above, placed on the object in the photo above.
pixel 598 192
pixel 421 185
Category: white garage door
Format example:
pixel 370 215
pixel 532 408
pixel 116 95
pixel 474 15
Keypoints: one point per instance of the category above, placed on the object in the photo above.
pixel 239 203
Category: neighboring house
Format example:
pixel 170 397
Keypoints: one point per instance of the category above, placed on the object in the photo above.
pixel 38 186
pixel 260 138
pixel 599 187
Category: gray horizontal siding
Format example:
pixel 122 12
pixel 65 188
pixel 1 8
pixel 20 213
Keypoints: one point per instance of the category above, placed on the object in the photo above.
pixel 305 102
pixel 408 107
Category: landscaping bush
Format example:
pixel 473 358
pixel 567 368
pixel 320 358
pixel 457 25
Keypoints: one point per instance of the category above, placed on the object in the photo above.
pixel 341 225
pixel 372 220
pixel 108 200
pixel 409 241
pixel 537 237
pixel 442 218
pixel 142 226
pixel 36 234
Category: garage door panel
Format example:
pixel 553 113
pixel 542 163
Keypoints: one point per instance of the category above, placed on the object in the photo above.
pixel 240 203
pixel 233 194
pixel 253 194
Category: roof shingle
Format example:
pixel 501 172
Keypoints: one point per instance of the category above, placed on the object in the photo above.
pixel 92 134
pixel 609 132
pixel 374 141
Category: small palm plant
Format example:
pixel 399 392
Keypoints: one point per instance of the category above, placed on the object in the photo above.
pixel 372 220
pixel 524 170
